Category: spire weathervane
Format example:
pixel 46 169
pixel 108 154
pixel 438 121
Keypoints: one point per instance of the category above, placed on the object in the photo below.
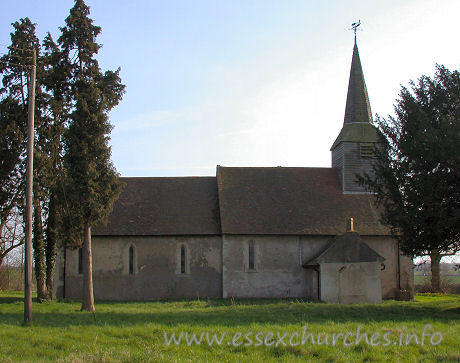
pixel 355 26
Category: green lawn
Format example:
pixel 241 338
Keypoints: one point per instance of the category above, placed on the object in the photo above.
pixel 135 331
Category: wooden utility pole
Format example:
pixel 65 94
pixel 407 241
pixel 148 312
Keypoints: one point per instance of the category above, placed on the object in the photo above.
pixel 29 183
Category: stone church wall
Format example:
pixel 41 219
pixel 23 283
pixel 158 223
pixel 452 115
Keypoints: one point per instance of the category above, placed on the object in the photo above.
pixel 156 268
pixel 278 271
pixel 387 247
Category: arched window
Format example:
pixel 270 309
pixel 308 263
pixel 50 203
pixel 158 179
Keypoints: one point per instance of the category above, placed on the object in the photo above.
pixel 80 261
pixel 131 260
pixel 251 255
pixel 182 259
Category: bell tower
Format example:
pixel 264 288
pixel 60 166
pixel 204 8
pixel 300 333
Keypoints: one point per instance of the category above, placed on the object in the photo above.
pixel 352 150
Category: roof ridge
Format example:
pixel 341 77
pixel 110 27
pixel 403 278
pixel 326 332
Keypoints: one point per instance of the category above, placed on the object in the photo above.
pixel 168 177
pixel 274 167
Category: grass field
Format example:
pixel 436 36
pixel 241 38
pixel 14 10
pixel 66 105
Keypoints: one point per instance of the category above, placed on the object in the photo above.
pixel 130 332
pixel 418 279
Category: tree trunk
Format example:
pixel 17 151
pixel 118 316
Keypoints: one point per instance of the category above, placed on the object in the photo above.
pixel 435 257
pixel 88 297
pixel 51 248
pixel 39 251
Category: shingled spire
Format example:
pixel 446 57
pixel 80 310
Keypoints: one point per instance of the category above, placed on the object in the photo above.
pixel 358 108
pixel 352 150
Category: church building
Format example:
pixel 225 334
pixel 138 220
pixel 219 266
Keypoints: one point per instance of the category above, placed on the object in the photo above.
pixel 252 232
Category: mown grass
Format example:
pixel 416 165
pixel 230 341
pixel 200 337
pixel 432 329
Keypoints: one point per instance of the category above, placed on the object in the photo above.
pixel 134 332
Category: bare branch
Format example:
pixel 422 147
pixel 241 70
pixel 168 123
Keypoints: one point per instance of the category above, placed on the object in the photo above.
pixel 9 249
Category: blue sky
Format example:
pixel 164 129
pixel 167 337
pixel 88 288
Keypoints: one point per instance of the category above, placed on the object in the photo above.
pixel 248 83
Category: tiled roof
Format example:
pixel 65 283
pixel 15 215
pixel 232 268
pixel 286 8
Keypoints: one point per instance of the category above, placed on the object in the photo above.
pixel 165 206
pixel 347 248
pixel 291 201
pixel 271 201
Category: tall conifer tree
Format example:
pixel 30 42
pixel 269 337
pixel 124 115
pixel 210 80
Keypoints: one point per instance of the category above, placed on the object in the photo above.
pixel 417 169
pixel 51 115
pixel 16 77
pixel 13 116
pixel 92 183
pixel 56 108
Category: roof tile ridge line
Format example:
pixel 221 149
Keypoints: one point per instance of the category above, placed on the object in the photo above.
pixel 274 167
pixel 162 235
pixel 170 177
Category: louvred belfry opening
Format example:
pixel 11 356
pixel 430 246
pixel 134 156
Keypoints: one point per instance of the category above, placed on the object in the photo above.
pixel 352 149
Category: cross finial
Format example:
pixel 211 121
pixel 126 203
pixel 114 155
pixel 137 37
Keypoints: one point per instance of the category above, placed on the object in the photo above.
pixel 355 26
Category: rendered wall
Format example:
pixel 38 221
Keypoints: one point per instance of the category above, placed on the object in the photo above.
pixel 348 283
pixel 278 271
pixel 387 247
pixel 156 268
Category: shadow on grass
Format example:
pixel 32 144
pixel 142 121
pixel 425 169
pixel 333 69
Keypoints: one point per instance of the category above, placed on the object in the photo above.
pixel 14 300
pixel 10 300
pixel 241 313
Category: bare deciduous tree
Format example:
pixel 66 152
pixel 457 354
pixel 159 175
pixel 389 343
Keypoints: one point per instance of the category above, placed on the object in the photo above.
pixel 11 233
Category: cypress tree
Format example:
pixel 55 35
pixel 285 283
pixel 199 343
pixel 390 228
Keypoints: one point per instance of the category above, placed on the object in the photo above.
pixel 16 78
pixel 56 93
pixel 92 184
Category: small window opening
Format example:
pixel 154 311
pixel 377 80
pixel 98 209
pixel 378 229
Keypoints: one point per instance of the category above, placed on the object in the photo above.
pixel 131 260
pixel 251 255
pixel 80 261
pixel 182 259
